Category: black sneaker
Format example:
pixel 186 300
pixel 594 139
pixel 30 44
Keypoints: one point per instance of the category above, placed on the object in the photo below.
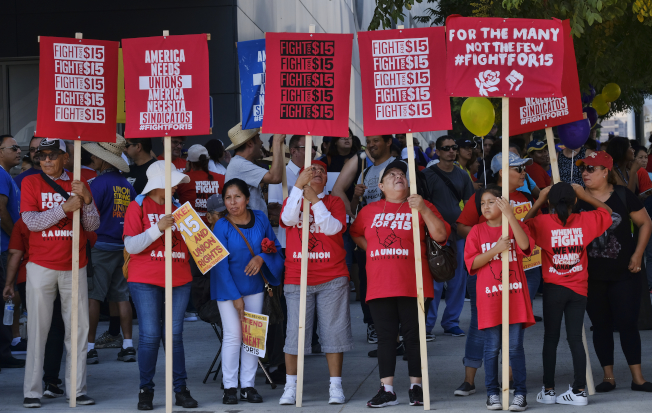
pixel 84 400
pixel 145 398
pixel 416 396
pixel 12 363
pixel 372 337
pixel 251 395
pixel 519 404
pixel 466 389
pixel 127 354
pixel 383 398
pixel 230 396
pixel 52 391
pixel 184 399
pixel 92 357
pixel 31 403
pixel 430 337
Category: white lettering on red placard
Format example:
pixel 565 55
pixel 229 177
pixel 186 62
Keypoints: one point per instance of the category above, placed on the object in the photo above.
pixel 79 83
pixel 538 109
pixel 401 76
pixel 166 106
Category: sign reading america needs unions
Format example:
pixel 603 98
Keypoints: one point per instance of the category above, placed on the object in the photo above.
pixel 251 62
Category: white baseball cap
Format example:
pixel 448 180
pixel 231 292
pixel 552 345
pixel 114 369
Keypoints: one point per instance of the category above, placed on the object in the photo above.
pixel 195 151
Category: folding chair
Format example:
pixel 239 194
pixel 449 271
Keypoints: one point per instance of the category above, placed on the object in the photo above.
pixel 218 332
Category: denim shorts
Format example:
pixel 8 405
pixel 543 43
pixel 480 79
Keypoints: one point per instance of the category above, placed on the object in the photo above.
pixel 331 300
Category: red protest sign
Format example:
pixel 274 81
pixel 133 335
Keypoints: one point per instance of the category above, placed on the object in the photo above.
pixel 166 86
pixel 403 81
pixel 530 114
pixel 78 87
pixel 504 57
pixel 307 78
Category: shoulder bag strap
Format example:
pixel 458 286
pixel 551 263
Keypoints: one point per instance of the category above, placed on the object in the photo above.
pixel 447 181
pixel 251 250
pixel 55 186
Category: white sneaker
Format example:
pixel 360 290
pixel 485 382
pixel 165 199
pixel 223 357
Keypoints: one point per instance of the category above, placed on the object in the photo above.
pixel 289 396
pixel 569 397
pixel 546 396
pixel 336 395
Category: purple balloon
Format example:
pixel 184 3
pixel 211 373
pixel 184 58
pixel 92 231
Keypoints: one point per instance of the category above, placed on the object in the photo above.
pixel 575 134
pixel 591 115
pixel 588 98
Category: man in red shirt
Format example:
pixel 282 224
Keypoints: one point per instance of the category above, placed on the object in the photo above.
pixel 177 147
pixel 538 170
pixel 47 213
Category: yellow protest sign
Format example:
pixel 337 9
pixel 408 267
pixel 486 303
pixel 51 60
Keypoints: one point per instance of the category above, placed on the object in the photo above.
pixel 534 260
pixel 254 333
pixel 121 89
pixel 202 244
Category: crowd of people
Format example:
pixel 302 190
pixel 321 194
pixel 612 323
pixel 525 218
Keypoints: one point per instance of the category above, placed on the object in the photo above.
pixel 588 233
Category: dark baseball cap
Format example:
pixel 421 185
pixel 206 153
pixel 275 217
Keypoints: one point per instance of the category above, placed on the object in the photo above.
pixel 394 164
pixel 51 145
pixel 465 143
pixel 215 203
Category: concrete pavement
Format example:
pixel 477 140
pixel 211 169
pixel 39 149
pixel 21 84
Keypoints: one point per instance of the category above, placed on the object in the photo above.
pixel 114 384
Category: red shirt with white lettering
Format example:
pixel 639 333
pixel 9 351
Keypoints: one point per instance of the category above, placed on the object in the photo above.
pixel 178 163
pixel 51 248
pixel 199 189
pixel 489 285
pixel 387 227
pixel 148 266
pixel 327 256
pixel 564 246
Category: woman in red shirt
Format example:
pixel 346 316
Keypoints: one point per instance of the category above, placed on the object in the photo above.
pixel 145 223
pixel 384 230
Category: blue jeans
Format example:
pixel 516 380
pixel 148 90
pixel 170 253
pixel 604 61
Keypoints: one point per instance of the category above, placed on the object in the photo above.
pixel 533 277
pixel 492 346
pixel 149 301
pixel 455 289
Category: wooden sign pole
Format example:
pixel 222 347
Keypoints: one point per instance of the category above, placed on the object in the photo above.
pixel 554 166
pixel 74 322
pixel 416 236
pixel 505 257
pixel 305 234
pixel 167 147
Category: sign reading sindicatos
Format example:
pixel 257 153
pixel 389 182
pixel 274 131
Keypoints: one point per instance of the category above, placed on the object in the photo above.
pixel 166 86
pixel 251 62
pixel 504 57
pixel 78 86
pixel 530 114
pixel 308 78
pixel 403 81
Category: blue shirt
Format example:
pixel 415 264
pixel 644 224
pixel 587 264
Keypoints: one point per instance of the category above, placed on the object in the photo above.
pixel 112 194
pixel 30 171
pixel 228 279
pixel 9 189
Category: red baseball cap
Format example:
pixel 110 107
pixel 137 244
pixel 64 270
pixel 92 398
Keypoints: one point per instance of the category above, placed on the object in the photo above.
pixel 599 158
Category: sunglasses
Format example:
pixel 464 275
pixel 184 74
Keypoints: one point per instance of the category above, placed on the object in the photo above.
pixel 130 144
pixel 14 148
pixel 589 168
pixel 518 169
pixel 448 148
pixel 52 155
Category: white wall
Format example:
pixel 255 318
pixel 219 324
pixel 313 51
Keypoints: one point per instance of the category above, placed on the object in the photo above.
pixel 255 17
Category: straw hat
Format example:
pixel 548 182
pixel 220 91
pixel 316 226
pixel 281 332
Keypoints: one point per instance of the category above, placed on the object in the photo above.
pixel 156 177
pixel 240 136
pixel 286 158
pixel 109 152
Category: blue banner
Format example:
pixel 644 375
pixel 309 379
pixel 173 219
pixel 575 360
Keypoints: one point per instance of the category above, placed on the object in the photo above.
pixel 251 60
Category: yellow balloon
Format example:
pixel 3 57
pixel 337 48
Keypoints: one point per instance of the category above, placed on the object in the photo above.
pixel 611 92
pixel 478 115
pixel 600 105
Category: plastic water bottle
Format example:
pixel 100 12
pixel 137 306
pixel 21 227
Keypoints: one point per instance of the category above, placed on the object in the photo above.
pixel 9 313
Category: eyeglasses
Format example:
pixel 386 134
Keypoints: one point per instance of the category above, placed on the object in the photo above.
pixel 518 169
pixel 130 144
pixel 590 168
pixel 14 148
pixel 448 148
pixel 52 155
pixel 174 143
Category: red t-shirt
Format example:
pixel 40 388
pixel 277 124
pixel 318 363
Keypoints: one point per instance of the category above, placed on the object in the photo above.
pixel 199 189
pixel 649 163
pixel 86 174
pixel 20 241
pixel 564 247
pixel 489 285
pixel 52 247
pixel 178 163
pixel 538 175
pixel 327 254
pixel 470 216
pixel 148 267
pixel 387 228
pixel 644 182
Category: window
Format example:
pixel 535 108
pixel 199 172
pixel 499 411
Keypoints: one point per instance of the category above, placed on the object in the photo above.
pixel 19 98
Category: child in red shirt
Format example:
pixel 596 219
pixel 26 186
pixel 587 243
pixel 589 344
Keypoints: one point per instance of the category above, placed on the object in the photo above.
pixel 563 237
pixel 482 256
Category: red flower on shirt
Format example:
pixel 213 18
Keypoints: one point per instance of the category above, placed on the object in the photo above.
pixel 268 246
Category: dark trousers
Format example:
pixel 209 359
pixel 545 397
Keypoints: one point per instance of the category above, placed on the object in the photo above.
pixel 615 304
pixel 558 302
pixel 5 331
pixel 362 275
pixel 388 313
